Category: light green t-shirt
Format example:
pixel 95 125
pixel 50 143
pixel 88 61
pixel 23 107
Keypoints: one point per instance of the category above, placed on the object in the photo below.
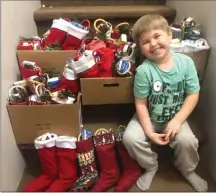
pixel 166 91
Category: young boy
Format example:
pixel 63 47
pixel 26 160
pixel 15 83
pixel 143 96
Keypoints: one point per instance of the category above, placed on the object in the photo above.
pixel 166 89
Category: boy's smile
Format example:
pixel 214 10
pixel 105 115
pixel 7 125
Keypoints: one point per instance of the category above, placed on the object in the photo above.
pixel 155 45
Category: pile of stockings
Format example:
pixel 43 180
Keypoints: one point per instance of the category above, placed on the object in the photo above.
pixel 106 51
pixel 66 34
pixel 37 89
pixel 103 162
pixel 109 52
pixel 63 34
pixel 92 60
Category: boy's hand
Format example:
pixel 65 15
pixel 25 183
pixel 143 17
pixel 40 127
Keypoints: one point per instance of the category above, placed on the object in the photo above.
pixel 172 129
pixel 158 138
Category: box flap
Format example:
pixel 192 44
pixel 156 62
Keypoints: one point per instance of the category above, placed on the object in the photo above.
pixel 29 122
pixel 51 62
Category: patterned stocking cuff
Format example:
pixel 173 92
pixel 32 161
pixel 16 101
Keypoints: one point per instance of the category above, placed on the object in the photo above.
pixel 107 138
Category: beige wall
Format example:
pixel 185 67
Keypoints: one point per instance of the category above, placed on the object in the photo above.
pixel 204 12
pixel 16 20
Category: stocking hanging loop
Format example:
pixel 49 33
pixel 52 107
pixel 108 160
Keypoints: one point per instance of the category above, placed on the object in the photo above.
pixel 87 22
pixel 97 27
pixel 121 127
pixel 121 24
pixel 101 131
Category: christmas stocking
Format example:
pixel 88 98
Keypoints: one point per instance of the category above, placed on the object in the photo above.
pixel 89 173
pixel 68 81
pixel 66 159
pixel 45 146
pixel 33 81
pixel 119 29
pixel 114 45
pixel 131 171
pixel 94 44
pixel 57 33
pixel 103 29
pixel 108 165
pixel 105 60
pixel 18 95
pixel 85 65
pixel 76 32
pixel 28 69
pixel 29 45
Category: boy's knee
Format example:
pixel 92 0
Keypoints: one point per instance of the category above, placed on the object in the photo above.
pixel 129 140
pixel 187 141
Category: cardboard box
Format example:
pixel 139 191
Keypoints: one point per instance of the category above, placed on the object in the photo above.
pixel 114 90
pixel 52 62
pixel 200 59
pixel 107 116
pixel 29 122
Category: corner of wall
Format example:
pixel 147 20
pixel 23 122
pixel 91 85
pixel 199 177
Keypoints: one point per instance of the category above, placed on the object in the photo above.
pixel 16 20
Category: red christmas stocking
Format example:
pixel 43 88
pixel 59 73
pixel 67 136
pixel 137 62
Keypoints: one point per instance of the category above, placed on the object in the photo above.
pixel 30 45
pixel 85 65
pixel 28 69
pixel 108 165
pixel 76 32
pixel 66 159
pixel 89 173
pixel 131 169
pixel 106 59
pixel 57 32
pixel 95 44
pixel 68 81
pixel 45 146
pixel 92 72
pixel 18 91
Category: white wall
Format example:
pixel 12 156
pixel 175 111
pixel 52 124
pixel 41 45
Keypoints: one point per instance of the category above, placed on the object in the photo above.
pixel 16 20
pixel 204 12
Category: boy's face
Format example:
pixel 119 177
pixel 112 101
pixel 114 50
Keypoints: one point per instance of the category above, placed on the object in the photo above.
pixel 155 44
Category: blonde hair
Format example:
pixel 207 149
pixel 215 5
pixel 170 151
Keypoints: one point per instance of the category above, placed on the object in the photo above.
pixel 147 23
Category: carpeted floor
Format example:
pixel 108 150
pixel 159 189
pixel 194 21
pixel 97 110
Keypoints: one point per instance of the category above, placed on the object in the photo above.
pixel 167 179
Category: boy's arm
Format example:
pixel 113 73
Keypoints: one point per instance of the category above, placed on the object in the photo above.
pixel 192 88
pixel 142 89
pixel 143 115
pixel 141 92
pixel 174 125
pixel 187 107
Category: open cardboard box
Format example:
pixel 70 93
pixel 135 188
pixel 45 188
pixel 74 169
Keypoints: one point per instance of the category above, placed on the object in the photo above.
pixel 98 91
pixel 29 122
pixel 52 62
pixel 200 59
